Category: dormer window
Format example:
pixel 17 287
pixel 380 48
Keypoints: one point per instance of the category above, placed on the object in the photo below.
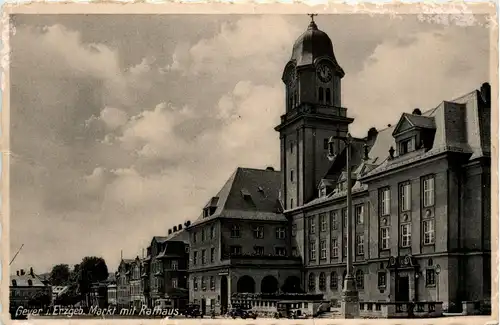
pixel 322 191
pixel 406 146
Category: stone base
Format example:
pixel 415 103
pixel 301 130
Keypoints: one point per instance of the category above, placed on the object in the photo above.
pixel 349 306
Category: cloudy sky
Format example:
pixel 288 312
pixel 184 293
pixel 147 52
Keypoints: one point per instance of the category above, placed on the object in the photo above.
pixel 123 126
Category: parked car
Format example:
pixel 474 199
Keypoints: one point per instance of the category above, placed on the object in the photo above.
pixel 192 310
pixel 243 312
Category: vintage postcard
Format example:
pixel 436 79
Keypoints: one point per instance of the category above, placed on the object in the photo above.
pixel 251 163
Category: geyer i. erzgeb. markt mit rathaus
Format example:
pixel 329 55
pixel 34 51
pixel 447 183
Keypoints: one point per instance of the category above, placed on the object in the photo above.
pixel 414 241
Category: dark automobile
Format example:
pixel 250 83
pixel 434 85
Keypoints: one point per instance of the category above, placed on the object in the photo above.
pixel 192 310
pixel 243 312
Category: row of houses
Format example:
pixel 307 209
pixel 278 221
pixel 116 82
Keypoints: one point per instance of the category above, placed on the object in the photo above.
pixel 159 276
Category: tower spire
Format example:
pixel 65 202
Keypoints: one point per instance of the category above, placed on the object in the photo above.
pixel 312 24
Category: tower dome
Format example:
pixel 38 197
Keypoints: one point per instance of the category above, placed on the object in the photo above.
pixel 311 45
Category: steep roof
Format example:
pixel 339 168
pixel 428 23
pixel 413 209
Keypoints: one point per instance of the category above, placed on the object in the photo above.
pixel 248 194
pixel 23 280
pixel 461 125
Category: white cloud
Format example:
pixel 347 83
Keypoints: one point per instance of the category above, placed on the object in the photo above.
pixel 397 77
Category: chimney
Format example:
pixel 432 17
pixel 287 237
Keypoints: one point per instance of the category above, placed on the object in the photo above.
pixel 270 168
pixel 486 93
pixel 17 272
pixel 22 271
pixel 179 227
pixel 31 272
pixel 416 111
pixel 372 136
pixel 170 231
pixel 175 228
pixel 187 223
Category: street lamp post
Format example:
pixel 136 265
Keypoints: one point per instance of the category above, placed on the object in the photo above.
pixel 350 295
pixel 437 270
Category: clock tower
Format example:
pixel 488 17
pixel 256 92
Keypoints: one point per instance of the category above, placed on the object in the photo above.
pixel 313 114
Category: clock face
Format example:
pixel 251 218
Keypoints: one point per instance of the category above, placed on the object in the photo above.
pixel 324 73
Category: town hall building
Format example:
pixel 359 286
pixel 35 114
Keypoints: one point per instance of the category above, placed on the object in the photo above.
pixel 420 197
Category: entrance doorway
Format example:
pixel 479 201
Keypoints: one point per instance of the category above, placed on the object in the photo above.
pixel 223 294
pixel 403 288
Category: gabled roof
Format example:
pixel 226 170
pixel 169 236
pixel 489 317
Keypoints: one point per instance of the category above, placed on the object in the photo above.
pixel 248 194
pixel 408 121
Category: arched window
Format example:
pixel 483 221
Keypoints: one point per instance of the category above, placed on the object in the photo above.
pixel 430 262
pixel 320 94
pixel 360 279
pixel 334 282
pixel 312 282
pixel 322 281
pixel 195 284
pixel 328 96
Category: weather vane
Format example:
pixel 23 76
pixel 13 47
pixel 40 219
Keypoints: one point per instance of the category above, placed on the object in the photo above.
pixel 312 16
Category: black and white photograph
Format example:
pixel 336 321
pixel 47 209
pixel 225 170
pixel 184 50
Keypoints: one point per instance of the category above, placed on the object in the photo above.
pixel 252 165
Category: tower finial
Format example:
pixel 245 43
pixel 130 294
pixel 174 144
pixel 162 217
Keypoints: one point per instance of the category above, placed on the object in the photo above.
pixel 312 17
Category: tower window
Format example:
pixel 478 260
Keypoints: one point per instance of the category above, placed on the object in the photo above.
pixel 320 94
pixel 328 95
pixel 325 144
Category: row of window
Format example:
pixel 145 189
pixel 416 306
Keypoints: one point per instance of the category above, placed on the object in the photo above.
pixel 157 265
pixel 204 256
pixel 204 283
pixel 428 195
pixel 323 220
pixel 333 281
pixel 257 250
pixel 204 237
pixel 430 280
pixel 135 289
pixel 405 241
pixel 258 232
pixel 428 234
pixel 360 247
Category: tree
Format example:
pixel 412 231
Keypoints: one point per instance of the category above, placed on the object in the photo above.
pixel 60 275
pixel 91 270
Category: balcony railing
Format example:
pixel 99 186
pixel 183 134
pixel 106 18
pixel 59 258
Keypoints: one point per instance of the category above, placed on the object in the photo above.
pixel 400 309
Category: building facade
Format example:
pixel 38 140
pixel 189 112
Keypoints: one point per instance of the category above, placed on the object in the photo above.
pixel 29 291
pixel 240 242
pixel 137 297
pixel 123 276
pixel 165 269
pixel 421 189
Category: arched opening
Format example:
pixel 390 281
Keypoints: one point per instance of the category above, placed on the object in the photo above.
pixel 360 279
pixel 312 282
pixel 245 284
pixel 322 281
pixel 292 285
pixel 223 294
pixel 328 96
pixel 334 282
pixel 269 284
pixel 320 95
